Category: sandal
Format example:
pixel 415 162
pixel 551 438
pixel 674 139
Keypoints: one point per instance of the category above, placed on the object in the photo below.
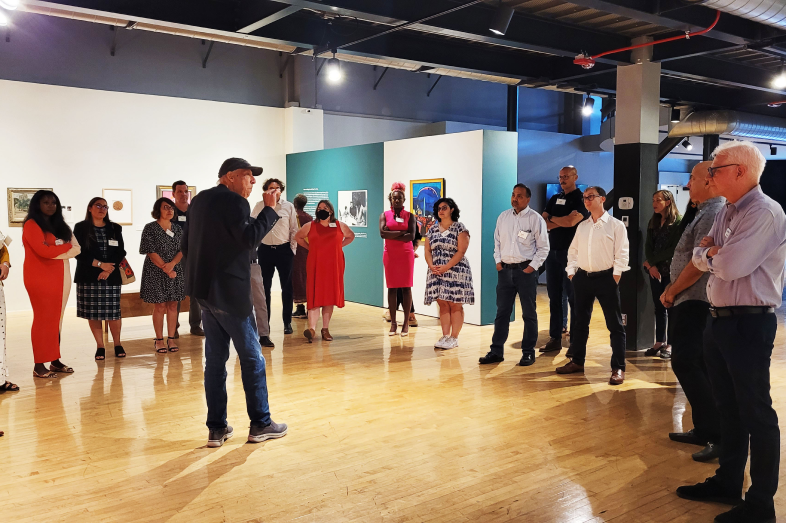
pixel 405 331
pixel 171 349
pixel 100 354
pixel 46 375
pixel 65 369
pixel 9 387
pixel 161 350
pixel 120 352
pixel 393 327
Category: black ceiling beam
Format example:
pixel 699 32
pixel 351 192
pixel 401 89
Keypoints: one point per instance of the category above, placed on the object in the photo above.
pixel 269 19
pixel 709 70
pixel 698 46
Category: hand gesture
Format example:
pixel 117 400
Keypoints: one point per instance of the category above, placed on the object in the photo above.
pixel 269 197
pixel 104 275
pixel 667 298
pixel 707 241
pixel 573 214
pixel 499 267
pixel 654 272
pixel 108 267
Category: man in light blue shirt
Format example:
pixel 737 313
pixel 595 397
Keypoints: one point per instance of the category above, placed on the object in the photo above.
pixel 521 245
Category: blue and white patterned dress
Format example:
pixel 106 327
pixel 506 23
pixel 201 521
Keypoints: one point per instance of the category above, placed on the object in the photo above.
pixel 454 286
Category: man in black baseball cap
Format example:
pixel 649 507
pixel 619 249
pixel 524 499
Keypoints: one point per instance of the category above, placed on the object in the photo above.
pixel 218 244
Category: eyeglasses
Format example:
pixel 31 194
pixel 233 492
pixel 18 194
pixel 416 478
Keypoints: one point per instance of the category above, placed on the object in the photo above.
pixel 101 207
pixel 166 208
pixel 443 208
pixel 713 170
pixel 591 197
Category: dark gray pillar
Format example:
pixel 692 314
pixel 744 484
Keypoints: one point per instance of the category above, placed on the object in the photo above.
pixel 711 141
pixel 513 108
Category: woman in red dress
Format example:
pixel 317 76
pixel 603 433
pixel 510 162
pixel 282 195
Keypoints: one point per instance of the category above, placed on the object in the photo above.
pixel 49 243
pixel 325 267
pixel 398 227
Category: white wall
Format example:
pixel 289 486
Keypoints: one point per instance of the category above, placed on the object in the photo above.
pixel 459 159
pixel 79 141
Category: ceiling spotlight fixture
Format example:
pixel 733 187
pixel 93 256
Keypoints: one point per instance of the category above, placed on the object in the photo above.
pixel 334 73
pixel 501 20
pixel 773 150
pixel 779 82
pixel 3 19
pixel 9 4
pixel 675 115
pixel 687 145
pixel 589 106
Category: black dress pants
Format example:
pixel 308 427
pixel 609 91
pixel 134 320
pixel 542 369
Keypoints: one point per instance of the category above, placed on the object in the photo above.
pixel 509 283
pixel 603 287
pixel 687 323
pixel 737 351
pixel 556 263
pixel 279 258
pixel 661 315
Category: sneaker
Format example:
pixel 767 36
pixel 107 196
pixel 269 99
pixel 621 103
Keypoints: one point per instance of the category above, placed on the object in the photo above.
pixel 441 343
pixel 272 431
pixel 451 343
pixel 217 437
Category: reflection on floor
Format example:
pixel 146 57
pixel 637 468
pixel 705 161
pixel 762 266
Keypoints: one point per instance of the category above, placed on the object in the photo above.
pixel 381 429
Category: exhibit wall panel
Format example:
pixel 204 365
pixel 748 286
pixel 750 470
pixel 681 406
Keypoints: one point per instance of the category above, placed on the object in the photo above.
pixel 81 141
pixel 500 159
pixel 349 169
pixel 458 158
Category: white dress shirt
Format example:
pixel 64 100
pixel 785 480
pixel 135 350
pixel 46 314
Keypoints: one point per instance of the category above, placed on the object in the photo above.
pixel 520 237
pixel 285 229
pixel 599 246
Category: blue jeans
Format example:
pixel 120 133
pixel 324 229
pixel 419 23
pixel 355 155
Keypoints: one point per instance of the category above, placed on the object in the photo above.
pixel 221 327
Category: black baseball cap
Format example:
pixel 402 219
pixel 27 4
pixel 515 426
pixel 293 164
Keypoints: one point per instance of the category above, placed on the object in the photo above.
pixel 233 164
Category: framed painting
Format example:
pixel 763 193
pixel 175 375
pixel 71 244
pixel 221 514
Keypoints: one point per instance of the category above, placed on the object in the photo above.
pixel 121 205
pixel 423 195
pixel 18 204
pixel 165 191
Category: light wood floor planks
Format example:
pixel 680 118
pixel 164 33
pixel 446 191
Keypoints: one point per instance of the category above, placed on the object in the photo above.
pixel 381 429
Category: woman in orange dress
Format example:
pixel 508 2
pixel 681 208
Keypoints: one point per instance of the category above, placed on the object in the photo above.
pixel 325 266
pixel 49 243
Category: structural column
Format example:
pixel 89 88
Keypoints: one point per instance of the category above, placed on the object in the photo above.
pixel 513 108
pixel 636 178
pixel 711 141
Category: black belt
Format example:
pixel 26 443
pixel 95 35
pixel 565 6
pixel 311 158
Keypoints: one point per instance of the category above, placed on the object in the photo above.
pixel 521 266
pixel 596 274
pixel 722 312
pixel 276 246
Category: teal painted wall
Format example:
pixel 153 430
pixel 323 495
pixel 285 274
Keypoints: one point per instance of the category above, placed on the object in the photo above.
pixel 500 161
pixel 345 169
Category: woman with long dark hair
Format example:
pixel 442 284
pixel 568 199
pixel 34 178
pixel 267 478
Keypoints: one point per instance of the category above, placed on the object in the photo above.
pixel 97 278
pixel 49 243
pixel 663 234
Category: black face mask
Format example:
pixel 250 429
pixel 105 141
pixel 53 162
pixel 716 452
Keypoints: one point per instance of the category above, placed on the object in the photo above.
pixel 322 214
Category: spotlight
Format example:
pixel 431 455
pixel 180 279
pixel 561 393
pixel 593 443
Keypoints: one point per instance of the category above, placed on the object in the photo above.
pixel 589 105
pixel 3 19
pixel 779 82
pixel 9 4
pixel 501 21
pixel 773 150
pixel 675 115
pixel 334 73
pixel 687 145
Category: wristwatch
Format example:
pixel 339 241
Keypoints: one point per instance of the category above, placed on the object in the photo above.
pixel 99 265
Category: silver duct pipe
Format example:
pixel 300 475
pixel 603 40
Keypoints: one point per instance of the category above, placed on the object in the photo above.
pixel 770 12
pixel 731 123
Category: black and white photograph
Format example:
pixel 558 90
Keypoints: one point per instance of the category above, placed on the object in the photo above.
pixel 353 208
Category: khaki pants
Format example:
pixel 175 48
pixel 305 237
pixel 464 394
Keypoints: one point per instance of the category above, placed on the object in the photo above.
pixel 260 303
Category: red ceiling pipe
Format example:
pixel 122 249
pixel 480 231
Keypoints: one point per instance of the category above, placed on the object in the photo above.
pixel 588 61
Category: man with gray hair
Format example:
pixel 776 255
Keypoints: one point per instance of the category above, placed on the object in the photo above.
pixel 744 252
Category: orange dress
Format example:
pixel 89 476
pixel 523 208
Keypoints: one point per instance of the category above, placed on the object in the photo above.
pixel 325 266
pixel 48 282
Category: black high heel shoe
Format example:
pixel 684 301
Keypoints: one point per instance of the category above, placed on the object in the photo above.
pixel 161 350
pixel 171 349
pixel 100 354
pixel 120 352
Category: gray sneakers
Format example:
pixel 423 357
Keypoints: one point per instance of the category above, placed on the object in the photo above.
pixel 272 431
pixel 217 437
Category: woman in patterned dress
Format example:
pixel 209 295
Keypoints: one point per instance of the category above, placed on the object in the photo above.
pixel 5 266
pixel 449 279
pixel 163 282
pixel 97 275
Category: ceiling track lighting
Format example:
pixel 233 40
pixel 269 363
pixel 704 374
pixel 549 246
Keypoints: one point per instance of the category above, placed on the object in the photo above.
pixel 589 105
pixel 773 150
pixel 687 145
pixel 675 115
pixel 9 4
pixel 334 73
pixel 3 19
pixel 501 20
pixel 779 82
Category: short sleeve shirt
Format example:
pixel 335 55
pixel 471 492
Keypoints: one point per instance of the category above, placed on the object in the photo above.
pixel 563 204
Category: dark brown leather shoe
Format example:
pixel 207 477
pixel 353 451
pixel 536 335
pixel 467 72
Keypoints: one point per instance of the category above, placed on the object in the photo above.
pixel 570 368
pixel 554 344
pixel 309 334
pixel 617 377
pixel 326 335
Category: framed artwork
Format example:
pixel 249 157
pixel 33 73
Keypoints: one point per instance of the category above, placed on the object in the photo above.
pixel 423 195
pixel 120 204
pixel 353 208
pixel 18 204
pixel 165 191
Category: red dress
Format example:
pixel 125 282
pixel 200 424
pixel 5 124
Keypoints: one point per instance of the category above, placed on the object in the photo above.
pixel 399 257
pixel 325 266
pixel 48 287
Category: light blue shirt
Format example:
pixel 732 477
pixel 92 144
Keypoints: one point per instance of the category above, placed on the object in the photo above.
pixel 521 237
pixel 749 268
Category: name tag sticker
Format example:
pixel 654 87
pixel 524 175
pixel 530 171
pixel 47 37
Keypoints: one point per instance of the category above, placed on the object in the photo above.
pixel 181 218
pixel 560 201
pixel 59 242
pixel 400 220
pixel 727 233
pixel 113 243
pixel 445 233
pixel 333 225
pixel 523 235
pixel 170 234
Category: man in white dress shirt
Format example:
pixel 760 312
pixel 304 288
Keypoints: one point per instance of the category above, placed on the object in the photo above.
pixel 597 257
pixel 521 244
pixel 277 252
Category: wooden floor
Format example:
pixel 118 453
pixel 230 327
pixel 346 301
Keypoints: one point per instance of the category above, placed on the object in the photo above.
pixel 380 429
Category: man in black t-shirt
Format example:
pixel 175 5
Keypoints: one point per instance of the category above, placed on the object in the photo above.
pixel 180 195
pixel 563 213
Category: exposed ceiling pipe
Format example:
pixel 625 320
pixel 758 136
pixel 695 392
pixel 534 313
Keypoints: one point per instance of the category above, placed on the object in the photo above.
pixel 769 12
pixel 731 123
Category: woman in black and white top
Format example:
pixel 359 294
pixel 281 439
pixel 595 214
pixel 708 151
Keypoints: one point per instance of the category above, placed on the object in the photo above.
pixel 163 283
pixel 97 275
